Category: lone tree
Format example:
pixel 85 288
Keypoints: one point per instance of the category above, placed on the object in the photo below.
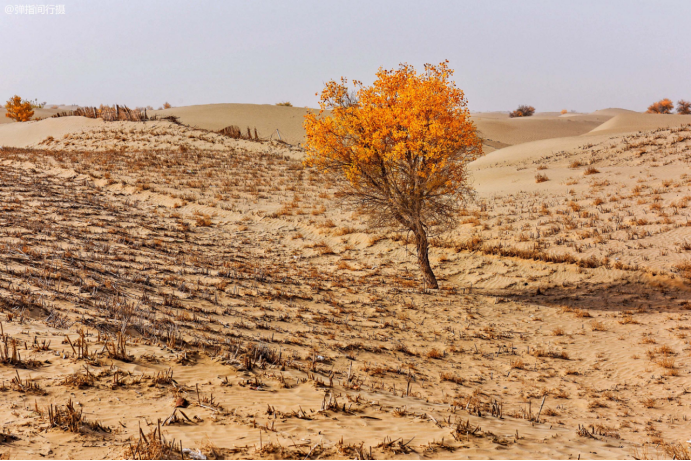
pixel 663 106
pixel 402 146
pixel 19 109
pixel 683 107
pixel 523 111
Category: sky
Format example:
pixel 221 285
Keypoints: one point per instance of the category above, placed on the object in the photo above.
pixel 553 55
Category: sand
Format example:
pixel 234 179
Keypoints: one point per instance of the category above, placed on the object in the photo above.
pixel 511 131
pixel 38 114
pixel 292 331
pixel 265 118
pixel 33 132
pixel 632 122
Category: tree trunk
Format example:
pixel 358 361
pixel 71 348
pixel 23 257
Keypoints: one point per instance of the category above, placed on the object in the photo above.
pixel 423 257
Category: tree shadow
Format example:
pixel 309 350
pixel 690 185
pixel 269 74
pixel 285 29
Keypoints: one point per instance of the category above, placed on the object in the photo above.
pixel 634 293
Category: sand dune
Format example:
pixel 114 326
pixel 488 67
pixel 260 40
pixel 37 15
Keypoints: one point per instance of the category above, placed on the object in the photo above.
pixel 631 122
pixel 614 111
pixel 30 133
pixel 496 128
pixel 512 131
pixel 265 117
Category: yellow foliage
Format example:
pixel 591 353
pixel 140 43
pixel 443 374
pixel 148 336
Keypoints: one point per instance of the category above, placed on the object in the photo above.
pixel 402 145
pixel 19 109
pixel 663 106
pixel 404 118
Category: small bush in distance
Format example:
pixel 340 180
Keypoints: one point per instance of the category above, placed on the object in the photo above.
pixel 285 103
pixel 523 111
pixel 663 106
pixel 564 111
pixel 19 109
pixel 166 105
pixel 683 107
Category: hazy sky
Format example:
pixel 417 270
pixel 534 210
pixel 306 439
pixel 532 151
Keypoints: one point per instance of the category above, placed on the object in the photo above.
pixel 576 55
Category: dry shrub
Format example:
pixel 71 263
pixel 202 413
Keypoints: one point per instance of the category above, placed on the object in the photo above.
pixel 628 320
pixel 593 404
pixel 559 331
pixel 541 178
pixel 550 412
pixel 684 268
pixel 667 363
pixel 434 353
pixel 665 350
pixel 343 265
pixel 581 314
pixel 683 108
pixel 70 419
pixel 598 326
pixel 523 111
pixel 564 111
pixel 518 364
pixel 152 446
pixel 591 170
pixel 166 105
pixel 677 450
pixel 344 231
pixel 559 393
pixel 284 104
pixel 18 109
pixel 446 376
pixel 203 221
pixel 649 402
pixel 663 106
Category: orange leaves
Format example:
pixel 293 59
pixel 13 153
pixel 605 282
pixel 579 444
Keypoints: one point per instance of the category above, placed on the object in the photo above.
pixel 663 106
pixel 402 146
pixel 404 116
pixel 19 109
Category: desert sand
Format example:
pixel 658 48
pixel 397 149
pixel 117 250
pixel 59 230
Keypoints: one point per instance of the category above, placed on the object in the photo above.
pixel 265 118
pixel 167 288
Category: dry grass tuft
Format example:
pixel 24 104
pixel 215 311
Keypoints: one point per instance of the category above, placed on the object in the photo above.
pixel 541 178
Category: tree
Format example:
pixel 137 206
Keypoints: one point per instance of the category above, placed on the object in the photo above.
pixel 523 111
pixel 683 107
pixel 166 105
pixel 19 109
pixel 663 106
pixel 401 146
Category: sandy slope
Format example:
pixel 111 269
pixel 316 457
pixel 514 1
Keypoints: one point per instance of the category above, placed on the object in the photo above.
pixel 38 114
pixel 265 117
pixel 30 133
pixel 630 122
pixel 497 128
pixel 231 264
pixel 510 131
